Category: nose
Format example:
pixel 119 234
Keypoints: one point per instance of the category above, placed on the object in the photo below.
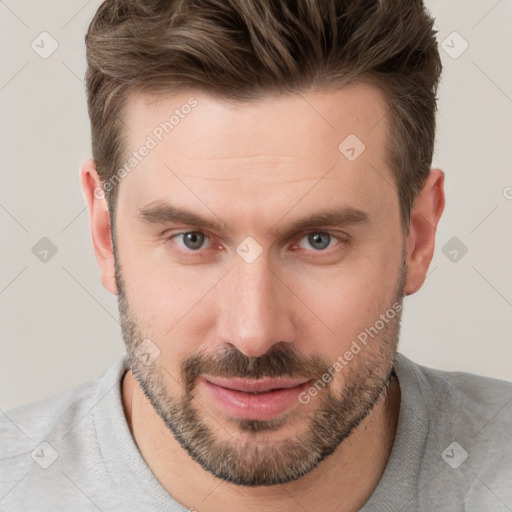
pixel 255 308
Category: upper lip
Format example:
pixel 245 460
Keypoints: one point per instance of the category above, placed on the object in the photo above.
pixel 253 385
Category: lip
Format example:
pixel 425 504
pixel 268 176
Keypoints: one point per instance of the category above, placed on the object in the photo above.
pixel 255 386
pixel 260 399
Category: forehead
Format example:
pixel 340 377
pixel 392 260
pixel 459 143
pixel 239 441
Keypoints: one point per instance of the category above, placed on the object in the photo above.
pixel 270 149
pixel 216 128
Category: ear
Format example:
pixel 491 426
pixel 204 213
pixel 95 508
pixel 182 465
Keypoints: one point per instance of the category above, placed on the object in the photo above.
pixel 100 223
pixel 420 241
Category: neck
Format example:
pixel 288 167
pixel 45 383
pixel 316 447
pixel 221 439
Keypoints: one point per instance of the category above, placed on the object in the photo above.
pixel 343 481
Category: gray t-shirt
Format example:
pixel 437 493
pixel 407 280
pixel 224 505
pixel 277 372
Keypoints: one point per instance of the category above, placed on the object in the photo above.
pixel 74 451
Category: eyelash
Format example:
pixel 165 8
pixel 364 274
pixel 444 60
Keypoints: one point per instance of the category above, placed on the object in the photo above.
pixel 342 240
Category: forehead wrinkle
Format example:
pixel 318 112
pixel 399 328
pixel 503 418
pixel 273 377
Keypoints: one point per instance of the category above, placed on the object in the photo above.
pixel 210 175
pixel 267 181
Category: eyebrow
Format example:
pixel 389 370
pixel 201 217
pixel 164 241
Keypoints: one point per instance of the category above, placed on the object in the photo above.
pixel 163 213
pixel 341 216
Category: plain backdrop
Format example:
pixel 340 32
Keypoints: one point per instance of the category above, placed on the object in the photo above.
pixel 59 326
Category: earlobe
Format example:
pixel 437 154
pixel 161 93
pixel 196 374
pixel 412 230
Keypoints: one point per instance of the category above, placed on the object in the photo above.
pixel 99 217
pixel 420 242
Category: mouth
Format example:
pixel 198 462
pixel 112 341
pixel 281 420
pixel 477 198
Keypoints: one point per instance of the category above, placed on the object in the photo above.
pixel 261 399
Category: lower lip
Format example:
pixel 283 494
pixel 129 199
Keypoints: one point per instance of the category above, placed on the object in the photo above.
pixel 260 406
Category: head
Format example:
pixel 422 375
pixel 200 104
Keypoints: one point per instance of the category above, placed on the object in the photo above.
pixel 261 200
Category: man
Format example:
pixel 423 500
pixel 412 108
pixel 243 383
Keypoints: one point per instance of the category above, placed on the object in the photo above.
pixel 261 200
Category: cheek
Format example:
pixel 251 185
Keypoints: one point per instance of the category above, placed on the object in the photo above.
pixel 348 299
pixel 150 287
pixel 149 273
pixel 168 302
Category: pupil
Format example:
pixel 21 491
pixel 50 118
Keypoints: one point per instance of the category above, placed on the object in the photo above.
pixel 315 239
pixel 194 240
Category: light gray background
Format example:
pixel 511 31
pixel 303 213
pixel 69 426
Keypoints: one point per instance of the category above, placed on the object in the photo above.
pixel 59 326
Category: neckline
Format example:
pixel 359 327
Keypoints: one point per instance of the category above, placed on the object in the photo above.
pixel 123 460
pixel 403 464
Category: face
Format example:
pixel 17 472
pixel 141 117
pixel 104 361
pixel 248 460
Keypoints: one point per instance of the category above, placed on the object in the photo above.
pixel 260 271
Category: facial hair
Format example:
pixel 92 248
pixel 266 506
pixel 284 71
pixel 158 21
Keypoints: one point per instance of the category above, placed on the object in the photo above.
pixel 261 460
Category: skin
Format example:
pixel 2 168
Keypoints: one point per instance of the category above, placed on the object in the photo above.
pixel 255 166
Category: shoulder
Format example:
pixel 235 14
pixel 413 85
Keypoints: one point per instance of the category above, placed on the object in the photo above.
pixel 467 423
pixel 22 426
pixel 461 394
pixel 47 446
pixel 28 430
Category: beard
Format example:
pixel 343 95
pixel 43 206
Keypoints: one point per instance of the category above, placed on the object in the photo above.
pixel 256 456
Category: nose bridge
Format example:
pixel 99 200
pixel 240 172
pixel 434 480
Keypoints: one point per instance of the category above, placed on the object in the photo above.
pixel 258 314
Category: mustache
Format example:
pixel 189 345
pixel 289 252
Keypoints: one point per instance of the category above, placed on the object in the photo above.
pixel 283 361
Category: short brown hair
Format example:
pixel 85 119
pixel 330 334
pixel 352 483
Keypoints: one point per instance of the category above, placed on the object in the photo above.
pixel 244 49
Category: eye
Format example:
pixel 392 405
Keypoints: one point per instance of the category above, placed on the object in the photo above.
pixel 192 240
pixel 318 240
